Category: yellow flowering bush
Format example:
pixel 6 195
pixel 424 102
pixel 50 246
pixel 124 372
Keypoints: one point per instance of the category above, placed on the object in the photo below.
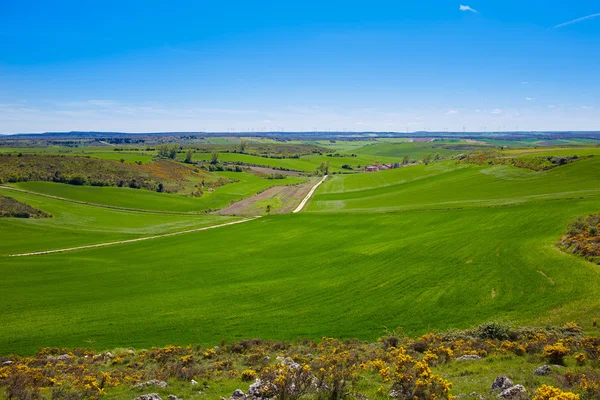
pixel 555 353
pixel 551 393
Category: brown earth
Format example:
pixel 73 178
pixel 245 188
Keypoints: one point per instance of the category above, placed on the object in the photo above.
pixel 290 196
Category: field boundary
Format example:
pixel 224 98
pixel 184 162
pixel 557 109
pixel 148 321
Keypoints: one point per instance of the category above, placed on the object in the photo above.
pixel 99 205
pixel 91 246
pixel 309 195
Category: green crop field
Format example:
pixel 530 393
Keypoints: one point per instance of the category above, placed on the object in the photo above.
pixel 246 185
pixel 423 247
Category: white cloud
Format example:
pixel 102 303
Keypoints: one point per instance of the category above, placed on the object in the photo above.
pixel 450 112
pixel 586 107
pixel 529 98
pixel 467 8
pixel 478 111
pixel 525 83
pixel 497 111
pixel 577 20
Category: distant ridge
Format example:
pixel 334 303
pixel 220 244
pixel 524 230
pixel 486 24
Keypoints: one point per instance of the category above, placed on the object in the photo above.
pixel 313 134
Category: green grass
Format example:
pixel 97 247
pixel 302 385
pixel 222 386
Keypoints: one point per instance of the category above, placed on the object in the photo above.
pixel 444 185
pixel 421 247
pixel 304 163
pixel 106 153
pixel 304 275
pixel 248 184
pixel 413 150
pixel 76 225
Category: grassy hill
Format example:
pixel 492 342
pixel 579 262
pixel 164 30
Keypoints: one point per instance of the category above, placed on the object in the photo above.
pixel 423 248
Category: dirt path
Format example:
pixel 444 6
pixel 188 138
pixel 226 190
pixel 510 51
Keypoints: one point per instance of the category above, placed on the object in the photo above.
pixel 98 205
pixel 285 197
pixel 91 246
pixel 308 196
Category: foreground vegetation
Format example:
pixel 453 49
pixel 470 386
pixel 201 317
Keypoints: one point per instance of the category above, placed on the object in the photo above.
pixel 492 360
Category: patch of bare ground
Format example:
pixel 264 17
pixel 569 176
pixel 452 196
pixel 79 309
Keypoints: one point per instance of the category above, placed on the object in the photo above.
pixel 284 200
pixel 269 171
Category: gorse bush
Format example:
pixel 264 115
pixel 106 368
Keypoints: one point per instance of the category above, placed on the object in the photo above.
pixel 582 237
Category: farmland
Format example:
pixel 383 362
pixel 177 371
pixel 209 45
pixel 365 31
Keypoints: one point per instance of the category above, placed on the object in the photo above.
pixel 425 247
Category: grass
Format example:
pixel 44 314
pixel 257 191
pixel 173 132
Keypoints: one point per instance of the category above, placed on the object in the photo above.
pixel 77 224
pixel 425 247
pixel 247 185
pixel 444 185
pixel 303 275
pixel 304 163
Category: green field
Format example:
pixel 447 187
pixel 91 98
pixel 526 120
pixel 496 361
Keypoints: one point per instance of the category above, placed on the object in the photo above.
pixel 247 185
pixel 424 247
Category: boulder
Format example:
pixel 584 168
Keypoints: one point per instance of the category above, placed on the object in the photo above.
pixel 255 390
pixel 516 392
pixel 7 362
pixel 153 382
pixel 172 397
pixel 543 370
pixel 193 382
pixel 468 357
pixel 501 383
pixel 151 396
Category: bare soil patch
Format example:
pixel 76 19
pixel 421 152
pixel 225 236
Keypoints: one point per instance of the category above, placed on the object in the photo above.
pixel 269 171
pixel 283 199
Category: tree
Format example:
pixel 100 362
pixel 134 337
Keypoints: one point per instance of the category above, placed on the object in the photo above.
pixel 214 157
pixel 243 146
pixel 173 152
pixel 405 160
pixel 324 168
pixel 188 157
pixel 426 159
pixel 268 209
pixel 437 157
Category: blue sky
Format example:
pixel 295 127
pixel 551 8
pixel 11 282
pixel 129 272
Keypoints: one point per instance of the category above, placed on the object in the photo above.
pixel 401 65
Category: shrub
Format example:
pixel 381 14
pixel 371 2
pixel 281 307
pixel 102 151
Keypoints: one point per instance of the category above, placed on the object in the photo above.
pixel 555 353
pixel 494 330
pixel 248 375
pixel 551 393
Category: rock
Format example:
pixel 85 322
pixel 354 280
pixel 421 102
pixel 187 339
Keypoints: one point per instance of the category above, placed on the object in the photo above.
pixel 172 397
pixel 255 390
pixel 63 357
pixel 476 395
pixel 151 396
pixel 108 354
pixel 468 357
pixel 7 362
pixel 290 363
pixel 516 392
pixel 153 382
pixel 238 394
pixel 501 383
pixel 543 370
pixel 131 352
pixel 193 382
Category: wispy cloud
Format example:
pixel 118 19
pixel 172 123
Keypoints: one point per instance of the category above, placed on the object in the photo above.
pixel 529 98
pixel 450 112
pixel 577 20
pixel 497 111
pixel 467 8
